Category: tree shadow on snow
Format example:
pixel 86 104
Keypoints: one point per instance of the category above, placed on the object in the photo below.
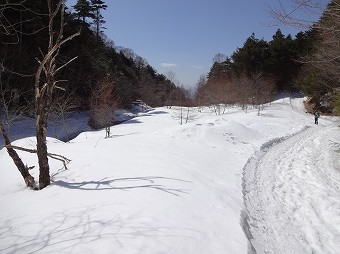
pixel 288 94
pixel 132 121
pixel 148 182
pixel 82 228
pixel 158 112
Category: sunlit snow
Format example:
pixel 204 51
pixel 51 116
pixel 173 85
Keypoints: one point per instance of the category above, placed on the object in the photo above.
pixel 231 183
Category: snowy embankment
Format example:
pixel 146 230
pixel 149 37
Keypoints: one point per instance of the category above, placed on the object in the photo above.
pixel 65 128
pixel 292 194
pixel 153 187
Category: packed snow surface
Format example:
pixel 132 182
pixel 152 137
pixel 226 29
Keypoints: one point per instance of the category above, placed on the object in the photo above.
pixel 233 183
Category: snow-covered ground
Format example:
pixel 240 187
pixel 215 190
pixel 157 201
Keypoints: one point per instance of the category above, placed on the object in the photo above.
pixel 63 128
pixel 208 186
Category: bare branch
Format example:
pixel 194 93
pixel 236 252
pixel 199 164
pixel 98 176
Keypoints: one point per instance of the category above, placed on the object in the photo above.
pixel 29 180
pixel 297 13
pixel 54 156
pixel 60 88
pixel 16 73
pixel 68 62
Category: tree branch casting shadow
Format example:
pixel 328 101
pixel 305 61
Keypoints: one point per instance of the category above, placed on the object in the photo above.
pixel 125 184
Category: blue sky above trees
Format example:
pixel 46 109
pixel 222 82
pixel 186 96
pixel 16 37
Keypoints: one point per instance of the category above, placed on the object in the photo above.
pixel 184 36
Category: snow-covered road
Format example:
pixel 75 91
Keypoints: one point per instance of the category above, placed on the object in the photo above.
pixel 292 194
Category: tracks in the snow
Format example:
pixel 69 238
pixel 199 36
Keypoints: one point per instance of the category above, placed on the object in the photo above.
pixel 284 186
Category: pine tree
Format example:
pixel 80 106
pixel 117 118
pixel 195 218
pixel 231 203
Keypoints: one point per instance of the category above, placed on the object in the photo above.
pixel 98 20
pixel 83 10
pixel 282 60
pixel 251 57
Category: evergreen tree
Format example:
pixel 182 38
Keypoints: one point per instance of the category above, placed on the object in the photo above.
pixel 282 60
pixel 83 10
pixel 98 20
pixel 251 57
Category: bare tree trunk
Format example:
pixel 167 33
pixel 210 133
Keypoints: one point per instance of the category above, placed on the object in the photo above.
pixel 181 114
pixel 29 180
pixel 44 168
pixel 44 90
pixel 43 105
pixel 187 118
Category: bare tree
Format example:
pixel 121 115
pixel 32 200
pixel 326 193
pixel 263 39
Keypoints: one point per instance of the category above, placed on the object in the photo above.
pixel 254 90
pixel 23 169
pixel 63 105
pixel 184 112
pixel 128 53
pixel 199 92
pixel 298 13
pixel 217 94
pixel 243 95
pixel 263 90
pixel 104 101
pixel 140 62
pixel 46 83
pixel 219 58
pixel 323 16
pixel 191 114
pixel 13 29
pixel 171 76
pixel 10 109
pixel 7 116
pixel 327 55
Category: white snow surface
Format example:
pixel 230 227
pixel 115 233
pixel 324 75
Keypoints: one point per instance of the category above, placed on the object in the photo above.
pixel 233 183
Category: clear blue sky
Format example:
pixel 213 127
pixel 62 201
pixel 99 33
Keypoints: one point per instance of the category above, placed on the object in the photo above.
pixel 183 36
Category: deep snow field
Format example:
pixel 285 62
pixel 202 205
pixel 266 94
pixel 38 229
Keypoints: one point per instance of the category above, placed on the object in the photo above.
pixel 233 183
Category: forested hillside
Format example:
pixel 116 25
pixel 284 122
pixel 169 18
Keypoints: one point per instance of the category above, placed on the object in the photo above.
pixel 320 75
pixel 99 65
pixel 104 73
pixel 308 63
pixel 256 71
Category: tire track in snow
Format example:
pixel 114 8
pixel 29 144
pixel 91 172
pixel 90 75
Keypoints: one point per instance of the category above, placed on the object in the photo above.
pixel 290 196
